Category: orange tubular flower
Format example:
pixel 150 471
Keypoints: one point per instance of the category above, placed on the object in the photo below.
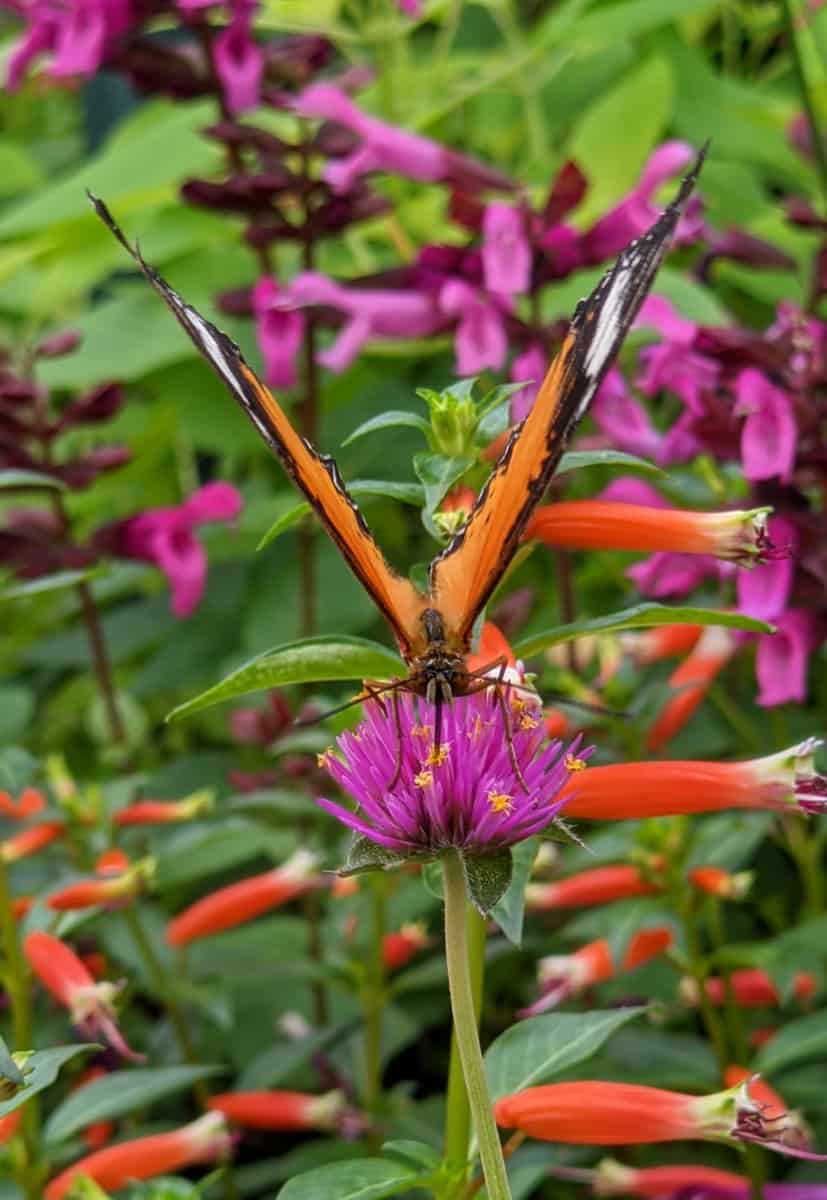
pixel 628 791
pixel 201 1141
pixel 21 845
pixel 239 902
pixel 598 886
pixel 715 881
pixel 400 947
pixel 662 641
pixel 280 1110
pixel 9 1125
pixel 564 975
pixel 616 1179
pixel 164 812
pixel 753 988
pixel 29 802
pixel 116 887
pixel 690 682
pixel 598 1113
pixel 493 646
pixel 21 905
pixel 90 1004
pixel 610 524
pixel 773 1108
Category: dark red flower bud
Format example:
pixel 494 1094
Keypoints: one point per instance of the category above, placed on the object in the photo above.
pixel 85 470
pixel 93 407
pixel 568 189
pixel 58 344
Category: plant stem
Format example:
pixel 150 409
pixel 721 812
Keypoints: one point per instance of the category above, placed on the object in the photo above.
pixel 806 95
pixel 806 849
pixel 465 1028
pixel 100 662
pixel 732 1015
pixel 373 994
pixel 712 1023
pixel 458 1114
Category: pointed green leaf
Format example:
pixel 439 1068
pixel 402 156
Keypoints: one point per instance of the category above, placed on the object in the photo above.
pixel 390 420
pixel 406 493
pixel 575 460
pixel 120 1093
pixel 804 1040
pixel 487 877
pixel 538 1049
pixel 509 910
pixel 438 475
pixel 40 1070
pixel 29 480
pixel 51 583
pixel 638 617
pixel 11 1077
pixel 310 660
pixel 365 855
pixel 361 1179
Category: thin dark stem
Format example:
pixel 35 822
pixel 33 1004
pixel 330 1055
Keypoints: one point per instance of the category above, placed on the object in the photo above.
pixel 568 603
pixel 806 95
pixel 100 662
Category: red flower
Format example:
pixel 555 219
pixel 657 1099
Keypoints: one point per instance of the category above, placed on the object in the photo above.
pixel 9 1125
pixel 119 884
pixel 690 682
pixel 597 886
pixel 715 881
pixel 662 641
pixel 203 1140
pixel 239 902
pixel 753 988
pixel 611 524
pixel 280 1110
pixel 90 1004
pixel 660 789
pixel 162 812
pixel 29 802
pixel 617 1179
pixel 399 948
pixel 21 845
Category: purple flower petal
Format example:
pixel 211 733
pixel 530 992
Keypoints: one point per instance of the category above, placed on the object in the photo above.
pixel 770 434
pixel 764 590
pixel 530 365
pixel 280 330
pixel 623 419
pixel 480 340
pixel 239 61
pixel 782 658
pixel 506 253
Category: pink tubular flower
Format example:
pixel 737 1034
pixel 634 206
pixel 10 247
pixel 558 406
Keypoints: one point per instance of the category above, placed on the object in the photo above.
pixel 463 793
pixel 164 812
pixel 239 902
pixel 30 841
pixel 563 975
pixel 690 682
pixel 279 330
pixel 770 434
pixel 600 885
pixel 610 524
pixel 239 61
pixel 506 253
pixel 280 1110
pixel 90 1004
pixel 782 658
pixel 386 148
pixel 598 1113
pixel 201 1141
pixel 636 213
pixel 480 340
pixel 165 537
pixel 629 791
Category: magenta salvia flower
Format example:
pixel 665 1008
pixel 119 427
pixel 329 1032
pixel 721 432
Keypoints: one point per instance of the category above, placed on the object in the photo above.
pixel 665 573
pixel 763 592
pixel 465 794
pixel 480 339
pixel 782 658
pixel 279 329
pixel 165 537
pixel 531 365
pixel 623 419
pixel 239 61
pixel 769 435
pixel 78 36
pixel 506 253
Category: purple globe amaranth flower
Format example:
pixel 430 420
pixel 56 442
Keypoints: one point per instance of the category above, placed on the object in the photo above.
pixel 279 329
pixel 239 60
pixel 506 253
pixel 165 537
pixel 637 211
pixel 769 436
pixel 462 795
pixel 384 147
pixel 782 658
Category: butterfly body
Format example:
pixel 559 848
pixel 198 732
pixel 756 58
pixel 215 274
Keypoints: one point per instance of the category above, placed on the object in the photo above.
pixel 433 629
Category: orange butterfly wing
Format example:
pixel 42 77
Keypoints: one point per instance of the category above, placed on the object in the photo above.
pixel 314 474
pixel 465 574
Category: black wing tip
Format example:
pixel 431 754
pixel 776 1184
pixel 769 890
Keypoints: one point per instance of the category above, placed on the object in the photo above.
pixel 691 178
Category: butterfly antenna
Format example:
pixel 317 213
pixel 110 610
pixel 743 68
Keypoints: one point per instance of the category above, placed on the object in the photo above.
pixel 367 694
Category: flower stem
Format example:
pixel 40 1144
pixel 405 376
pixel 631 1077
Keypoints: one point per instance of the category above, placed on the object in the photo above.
pixel 373 994
pixel 100 662
pixel 458 1114
pixel 465 1029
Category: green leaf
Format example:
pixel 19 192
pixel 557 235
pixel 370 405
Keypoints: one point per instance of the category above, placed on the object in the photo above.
pixel 365 855
pixel 279 1062
pixel 419 1154
pixel 509 910
pixel 194 852
pixel 390 420
pixel 361 1179
pixel 10 1073
pixel 487 877
pixel 51 583
pixel 637 617
pixel 120 1093
pixel 575 460
pixel 34 480
pixel 804 1039
pixel 310 660
pixel 41 1069
pixel 407 493
pixel 538 1049
pixel 438 475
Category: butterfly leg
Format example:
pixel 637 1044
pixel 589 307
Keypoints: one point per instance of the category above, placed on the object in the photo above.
pixel 481 681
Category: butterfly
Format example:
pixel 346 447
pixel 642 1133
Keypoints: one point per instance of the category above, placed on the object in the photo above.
pixel 433 629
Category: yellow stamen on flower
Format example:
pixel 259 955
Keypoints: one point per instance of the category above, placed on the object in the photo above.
pixel 575 764
pixel 527 721
pixel 325 758
pixel 437 755
pixel 424 779
pixel 421 731
pixel 500 802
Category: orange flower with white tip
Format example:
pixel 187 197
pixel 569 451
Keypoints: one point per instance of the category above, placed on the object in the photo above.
pixel 454 510
pixel 612 1178
pixel 90 1004
pixel 690 682
pixel 166 812
pixel 280 1111
pixel 30 841
pixel 118 883
pixel 715 881
pixel 662 641
pixel 600 885
pixel 398 948
pixel 751 988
